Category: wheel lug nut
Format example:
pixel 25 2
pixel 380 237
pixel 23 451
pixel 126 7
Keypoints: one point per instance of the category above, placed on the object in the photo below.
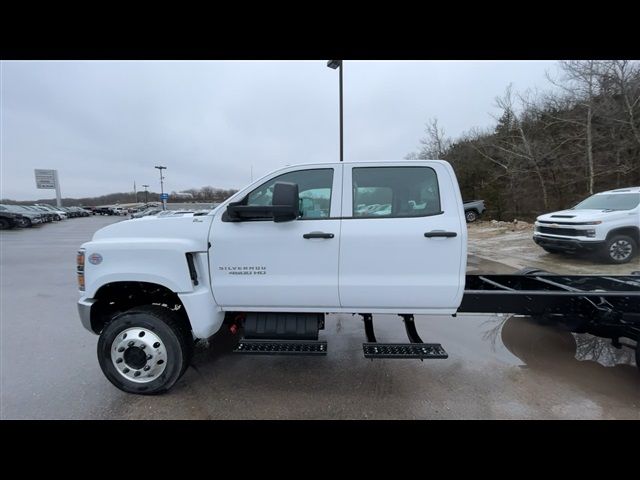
pixel 125 370
pixel 156 345
pixel 143 347
pixel 130 344
pixel 136 374
pixel 146 368
pixel 149 357
pixel 119 360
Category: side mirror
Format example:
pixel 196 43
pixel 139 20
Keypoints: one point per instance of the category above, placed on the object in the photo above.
pixel 284 206
pixel 286 202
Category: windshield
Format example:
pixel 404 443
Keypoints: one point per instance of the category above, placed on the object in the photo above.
pixel 615 201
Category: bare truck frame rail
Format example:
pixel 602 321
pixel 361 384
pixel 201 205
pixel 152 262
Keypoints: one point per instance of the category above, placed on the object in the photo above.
pixel 605 306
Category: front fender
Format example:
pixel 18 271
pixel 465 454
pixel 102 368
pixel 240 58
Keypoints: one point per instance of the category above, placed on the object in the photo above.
pixel 160 261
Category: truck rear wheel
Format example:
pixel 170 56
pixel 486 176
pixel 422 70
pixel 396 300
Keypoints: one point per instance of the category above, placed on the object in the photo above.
pixel 471 216
pixel 145 350
pixel 619 249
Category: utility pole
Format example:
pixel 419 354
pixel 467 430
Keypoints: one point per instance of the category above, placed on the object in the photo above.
pixel 162 186
pixel 146 194
pixel 339 65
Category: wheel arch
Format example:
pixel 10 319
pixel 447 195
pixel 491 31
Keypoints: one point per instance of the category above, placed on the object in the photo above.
pixel 631 231
pixel 114 298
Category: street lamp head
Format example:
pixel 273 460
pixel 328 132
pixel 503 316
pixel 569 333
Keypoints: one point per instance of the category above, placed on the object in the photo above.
pixel 159 167
pixel 334 64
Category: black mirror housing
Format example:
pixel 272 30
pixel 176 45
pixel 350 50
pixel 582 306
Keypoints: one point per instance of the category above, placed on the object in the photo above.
pixel 285 206
pixel 286 202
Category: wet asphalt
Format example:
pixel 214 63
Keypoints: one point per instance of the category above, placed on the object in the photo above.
pixel 498 367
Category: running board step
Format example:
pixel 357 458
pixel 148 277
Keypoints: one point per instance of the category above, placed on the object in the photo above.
pixel 281 347
pixel 404 350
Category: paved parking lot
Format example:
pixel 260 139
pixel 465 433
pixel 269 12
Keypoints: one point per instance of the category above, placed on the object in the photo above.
pixel 498 367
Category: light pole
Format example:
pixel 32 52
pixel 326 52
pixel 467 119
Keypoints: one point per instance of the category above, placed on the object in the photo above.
pixel 146 194
pixel 338 64
pixel 161 185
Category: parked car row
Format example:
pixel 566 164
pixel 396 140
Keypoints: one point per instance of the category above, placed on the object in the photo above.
pixel 158 212
pixel 26 216
pixel 118 210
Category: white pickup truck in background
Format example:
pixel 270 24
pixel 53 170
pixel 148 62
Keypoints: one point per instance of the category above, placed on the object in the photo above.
pixel 294 245
pixel 606 224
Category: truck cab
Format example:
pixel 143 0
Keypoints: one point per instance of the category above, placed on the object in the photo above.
pixel 606 224
pixel 302 241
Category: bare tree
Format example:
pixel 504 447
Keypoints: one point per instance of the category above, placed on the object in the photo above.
pixel 625 74
pixel 515 142
pixel 580 84
pixel 435 143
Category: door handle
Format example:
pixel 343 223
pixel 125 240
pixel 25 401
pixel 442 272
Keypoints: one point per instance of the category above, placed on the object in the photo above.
pixel 440 233
pixel 317 235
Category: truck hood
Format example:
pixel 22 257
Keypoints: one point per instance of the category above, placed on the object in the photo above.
pixel 193 229
pixel 578 216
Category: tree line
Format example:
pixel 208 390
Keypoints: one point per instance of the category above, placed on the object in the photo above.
pixel 204 195
pixel 549 150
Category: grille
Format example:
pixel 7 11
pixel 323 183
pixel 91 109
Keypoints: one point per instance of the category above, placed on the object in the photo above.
pixel 567 232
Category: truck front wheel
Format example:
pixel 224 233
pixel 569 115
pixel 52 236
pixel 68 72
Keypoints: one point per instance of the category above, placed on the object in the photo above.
pixel 619 249
pixel 145 350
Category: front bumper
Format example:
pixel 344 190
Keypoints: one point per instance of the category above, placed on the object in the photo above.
pixel 84 310
pixel 567 244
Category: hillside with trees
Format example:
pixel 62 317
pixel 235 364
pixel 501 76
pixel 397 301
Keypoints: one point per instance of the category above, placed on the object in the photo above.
pixel 550 150
pixel 201 195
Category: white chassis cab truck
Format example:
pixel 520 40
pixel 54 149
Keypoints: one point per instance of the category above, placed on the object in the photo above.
pixel 303 241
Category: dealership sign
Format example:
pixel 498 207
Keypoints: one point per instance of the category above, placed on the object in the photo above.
pixel 46 178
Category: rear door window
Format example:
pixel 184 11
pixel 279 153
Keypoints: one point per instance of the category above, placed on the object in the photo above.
pixel 387 192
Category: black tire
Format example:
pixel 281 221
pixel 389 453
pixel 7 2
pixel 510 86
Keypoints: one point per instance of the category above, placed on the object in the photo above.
pixel 5 224
pixel 619 249
pixel 471 216
pixel 25 223
pixel 172 331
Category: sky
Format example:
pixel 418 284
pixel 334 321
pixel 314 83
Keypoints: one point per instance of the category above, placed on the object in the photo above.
pixel 105 124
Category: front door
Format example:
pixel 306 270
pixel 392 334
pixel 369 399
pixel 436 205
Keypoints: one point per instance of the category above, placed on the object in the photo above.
pixel 386 260
pixel 270 266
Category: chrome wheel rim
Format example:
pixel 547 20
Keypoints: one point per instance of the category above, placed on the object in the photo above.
pixel 620 250
pixel 471 216
pixel 139 355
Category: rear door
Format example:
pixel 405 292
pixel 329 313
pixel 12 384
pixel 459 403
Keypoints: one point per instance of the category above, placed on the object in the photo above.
pixel 403 238
pixel 268 266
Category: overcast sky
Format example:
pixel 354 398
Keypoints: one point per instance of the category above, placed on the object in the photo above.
pixel 105 124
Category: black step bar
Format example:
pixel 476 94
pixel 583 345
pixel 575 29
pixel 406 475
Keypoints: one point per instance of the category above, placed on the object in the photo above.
pixel 417 349
pixel 422 351
pixel 281 347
